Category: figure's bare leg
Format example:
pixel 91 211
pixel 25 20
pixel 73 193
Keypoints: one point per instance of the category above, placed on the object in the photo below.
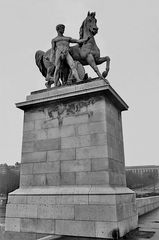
pixel 57 73
pixel 71 64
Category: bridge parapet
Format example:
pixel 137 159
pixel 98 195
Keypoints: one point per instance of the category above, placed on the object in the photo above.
pixel 145 205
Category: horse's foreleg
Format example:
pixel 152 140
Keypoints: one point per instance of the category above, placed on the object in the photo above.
pixel 107 60
pixel 91 62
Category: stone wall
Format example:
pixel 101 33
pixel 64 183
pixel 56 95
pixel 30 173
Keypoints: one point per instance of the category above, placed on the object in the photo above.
pixel 145 205
pixel 73 143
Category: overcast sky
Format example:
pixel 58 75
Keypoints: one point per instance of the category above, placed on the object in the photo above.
pixel 128 33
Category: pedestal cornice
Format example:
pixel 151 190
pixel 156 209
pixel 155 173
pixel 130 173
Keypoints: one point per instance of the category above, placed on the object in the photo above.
pixel 54 94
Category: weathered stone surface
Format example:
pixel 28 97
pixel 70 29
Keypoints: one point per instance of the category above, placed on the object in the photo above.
pixel 83 118
pixel 46 145
pixel 94 127
pixel 102 199
pixel 99 164
pixel 117 179
pixel 17 199
pixel 26 168
pixel 34 115
pixel 104 229
pixel 12 224
pixel 46 123
pixel 91 152
pixel 75 228
pixel 76 166
pixel 27 147
pixel 45 226
pixel 47 167
pixel 76 142
pixel 68 178
pixel 53 179
pixel 21 211
pixel 33 180
pixel 96 212
pixel 33 157
pixel 28 225
pixel 28 126
pixel 55 212
pixel 63 154
pixel 95 178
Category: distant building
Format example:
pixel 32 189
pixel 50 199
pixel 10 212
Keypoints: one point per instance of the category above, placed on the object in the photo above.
pixel 143 169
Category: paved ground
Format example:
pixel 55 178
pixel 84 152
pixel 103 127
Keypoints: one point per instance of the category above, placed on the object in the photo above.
pixel 148 227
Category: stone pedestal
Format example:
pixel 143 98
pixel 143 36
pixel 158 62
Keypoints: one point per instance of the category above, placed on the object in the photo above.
pixel 72 179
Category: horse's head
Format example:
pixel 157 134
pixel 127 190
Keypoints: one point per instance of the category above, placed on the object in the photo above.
pixel 89 25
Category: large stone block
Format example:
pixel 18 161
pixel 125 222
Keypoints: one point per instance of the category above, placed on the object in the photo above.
pixel 83 118
pixel 68 178
pixel 76 142
pixel 21 210
pixel 55 211
pixel 106 213
pixel 99 164
pixel 53 179
pixel 45 226
pixel 102 199
pixel 26 168
pixel 28 224
pixel 46 123
pixel 94 127
pixel 27 147
pixel 72 199
pixel 28 126
pixel 46 145
pixel 33 157
pixel 63 154
pixel 94 178
pixel 75 228
pixel 91 152
pixel 12 224
pixel 46 167
pixel 105 229
pixel 33 180
pixel 76 166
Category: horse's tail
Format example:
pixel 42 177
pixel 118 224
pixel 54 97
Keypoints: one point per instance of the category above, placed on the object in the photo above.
pixel 39 62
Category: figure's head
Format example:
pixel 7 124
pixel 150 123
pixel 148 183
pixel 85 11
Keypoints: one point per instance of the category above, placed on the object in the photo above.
pixel 60 28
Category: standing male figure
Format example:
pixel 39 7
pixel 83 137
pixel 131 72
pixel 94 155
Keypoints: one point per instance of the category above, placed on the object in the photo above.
pixel 60 52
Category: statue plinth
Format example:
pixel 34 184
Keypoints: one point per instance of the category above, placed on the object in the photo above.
pixel 72 179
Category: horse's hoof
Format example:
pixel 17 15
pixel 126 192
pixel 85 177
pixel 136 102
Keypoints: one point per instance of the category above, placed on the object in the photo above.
pixel 48 85
pixel 105 73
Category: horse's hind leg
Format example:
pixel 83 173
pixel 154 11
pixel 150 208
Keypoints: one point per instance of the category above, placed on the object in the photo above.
pixel 91 62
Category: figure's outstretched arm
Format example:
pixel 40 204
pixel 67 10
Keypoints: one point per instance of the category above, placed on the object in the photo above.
pixel 79 41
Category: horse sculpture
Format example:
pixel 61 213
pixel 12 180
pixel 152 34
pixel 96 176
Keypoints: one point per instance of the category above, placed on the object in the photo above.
pixel 86 54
